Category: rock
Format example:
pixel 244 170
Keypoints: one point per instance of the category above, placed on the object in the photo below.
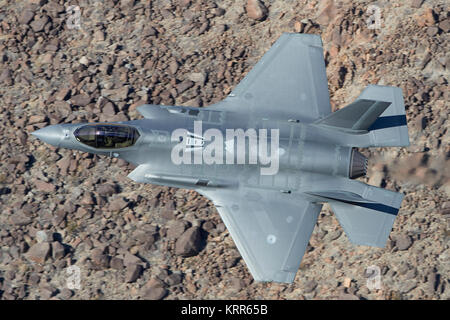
pixel 198 77
pixel 26 16
pixel 445 208
pixel 117 204
pixel 432 31
pixel 6 77
pixel 99 35
pixel 154 293
pixel 218 12
pixel 173 67
pixel 146 235
pixel 46 292
pixel 173 279
pixel 328 14
pixel 445 25
pixel 84 60
pixel 10 275
pixel 39 23
pixel 335 235
pixel 256 10
pixel 237 284
pixel 433 281
pixel 38 2
pixel 309 286
pixel 116 95
pixel 220 28
pixel 394 295
pixel 34 279
pixel 36 119
pixel 63 108
pixel 20 219
pixel 125 4
pixel 80 100
pixel 416 3
pixel 109 109
pixel 133 273
pixel 87 199
pixel 44 236
pixel 155 282
pixel 150 239
pixel 150 31
pixel 348 296
pixel 105 68
pixel 298 26
pixel 58 250
pixel 106 189
pixel 167 14
pixel 407 286
pixel 428 18
pixel 185 3
pixel 117 263
pixel 208 226
pixel 403 242
pixel 63 94
pixel 65 294
pixel 204 27
pixel 59 217
pixel 45 186
pixel 221 227
pixel 39 252
pixel 347 282
pixel 131 259
pixel 184 85
pixel 176 229
pixel 99 259
pixel 167 213
pixel 189 243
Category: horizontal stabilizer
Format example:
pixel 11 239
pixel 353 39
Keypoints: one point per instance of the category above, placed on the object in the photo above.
pixel 359 115
pixel 367 219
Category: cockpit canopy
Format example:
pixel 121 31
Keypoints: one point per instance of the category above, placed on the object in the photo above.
pixel 107 136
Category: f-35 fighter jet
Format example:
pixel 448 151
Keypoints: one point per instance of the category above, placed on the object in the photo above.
pixel 268 156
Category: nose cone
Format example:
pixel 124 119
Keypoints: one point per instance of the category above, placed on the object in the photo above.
pixel 51 134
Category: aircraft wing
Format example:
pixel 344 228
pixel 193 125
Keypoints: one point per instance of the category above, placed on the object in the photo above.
pixel 271 229
pixel 289 82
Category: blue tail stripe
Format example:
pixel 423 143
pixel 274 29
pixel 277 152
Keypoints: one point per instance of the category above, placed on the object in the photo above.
pixel 388 122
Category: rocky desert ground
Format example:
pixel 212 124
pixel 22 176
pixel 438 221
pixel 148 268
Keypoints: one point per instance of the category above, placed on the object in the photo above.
pixel 66 214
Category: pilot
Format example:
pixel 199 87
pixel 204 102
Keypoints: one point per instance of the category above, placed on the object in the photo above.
pixel 109 141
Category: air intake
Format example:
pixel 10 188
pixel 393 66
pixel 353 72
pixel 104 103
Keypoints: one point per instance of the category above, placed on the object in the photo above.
pixel 358 165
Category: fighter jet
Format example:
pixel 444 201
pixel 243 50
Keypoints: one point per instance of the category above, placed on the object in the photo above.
pixel 268 156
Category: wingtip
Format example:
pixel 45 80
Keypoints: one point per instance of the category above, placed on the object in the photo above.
pixel 307 38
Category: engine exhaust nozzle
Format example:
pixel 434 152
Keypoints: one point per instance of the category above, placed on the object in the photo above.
pixel 358 165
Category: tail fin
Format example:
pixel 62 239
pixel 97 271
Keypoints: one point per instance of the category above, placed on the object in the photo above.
pixel 366 218
pixel 380 111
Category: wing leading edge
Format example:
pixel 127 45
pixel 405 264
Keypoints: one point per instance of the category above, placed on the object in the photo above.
pixel 270 229
pixel 289 82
